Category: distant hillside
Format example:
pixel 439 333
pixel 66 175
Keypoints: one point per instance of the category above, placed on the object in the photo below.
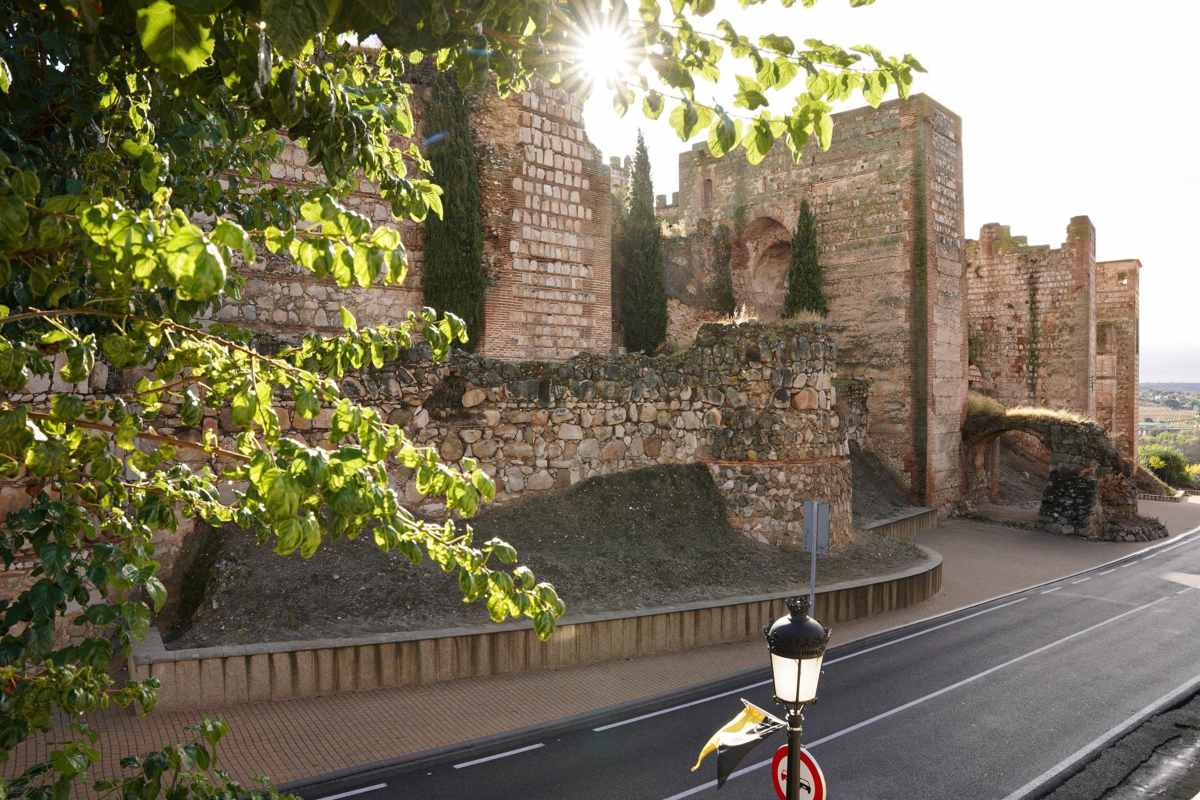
pixel 1192 388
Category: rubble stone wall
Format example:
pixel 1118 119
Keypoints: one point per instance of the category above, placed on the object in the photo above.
pixel 1031 314
pixel 755 403
pixel 546 212
pixel 887 198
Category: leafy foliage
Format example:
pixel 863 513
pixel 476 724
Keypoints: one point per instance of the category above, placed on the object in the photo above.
pixel 453 277
pixel 1167 463
pixel 136 138
pixel 804 278
pixel 639 251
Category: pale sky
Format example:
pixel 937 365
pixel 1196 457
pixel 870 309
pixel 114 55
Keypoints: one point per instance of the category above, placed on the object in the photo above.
pixel 1069 107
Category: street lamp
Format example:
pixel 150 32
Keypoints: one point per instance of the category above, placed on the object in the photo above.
pixel 797 646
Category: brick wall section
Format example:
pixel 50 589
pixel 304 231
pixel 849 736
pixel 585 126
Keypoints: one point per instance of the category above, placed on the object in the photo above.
pixel 1031 314
pixel 1117 350
pixel 888 202
pixel 546 211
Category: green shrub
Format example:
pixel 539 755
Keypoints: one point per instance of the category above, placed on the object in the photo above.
pixel 1167 463
pixel 804 278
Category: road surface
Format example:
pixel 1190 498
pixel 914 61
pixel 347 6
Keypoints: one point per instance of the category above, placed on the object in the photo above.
pixel 982 703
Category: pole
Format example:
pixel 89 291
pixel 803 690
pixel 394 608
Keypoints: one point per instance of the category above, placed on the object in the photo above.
pixel 795 718
pixel 811 531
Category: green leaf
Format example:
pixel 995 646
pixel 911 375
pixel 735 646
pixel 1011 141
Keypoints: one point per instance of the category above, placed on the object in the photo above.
pixel 291 24
pixel 195 264
pixel 349 323
pixel 5 77
pixel 283 494
pixel 652 105
pixel 723 135
pixel 66 407
pixel 825 130
pixel 157 593
pixel 173 38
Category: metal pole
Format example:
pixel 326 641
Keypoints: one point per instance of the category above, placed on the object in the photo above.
pixel 812 577
pixel 795 718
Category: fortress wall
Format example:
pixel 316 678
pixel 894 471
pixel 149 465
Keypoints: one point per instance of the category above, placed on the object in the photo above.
pixel 888 203
pixel 1031 314
pixel 1117 351
pixel 546 212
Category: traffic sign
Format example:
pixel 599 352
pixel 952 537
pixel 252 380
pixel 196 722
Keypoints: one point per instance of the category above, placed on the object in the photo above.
pixel 812 780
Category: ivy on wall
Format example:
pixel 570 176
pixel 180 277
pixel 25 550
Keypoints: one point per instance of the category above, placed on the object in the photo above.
pixel 804 278
pixel 722 254
pixel 454 278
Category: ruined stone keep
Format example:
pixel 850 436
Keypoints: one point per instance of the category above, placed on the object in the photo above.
pixel 888 202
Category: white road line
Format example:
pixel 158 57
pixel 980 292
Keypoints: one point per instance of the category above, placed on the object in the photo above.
pixel 1051 591
pixel 1110 735
pixel 662 711
pixel 926 698
pixel 832 661
pixel 1149 556
pixel 353 792
pixel 1114 569
pixel 505 754
pixel 1081 580
pixel 866 650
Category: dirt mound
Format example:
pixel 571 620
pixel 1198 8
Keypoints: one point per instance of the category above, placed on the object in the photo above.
pixel 877 493
pixel 638 539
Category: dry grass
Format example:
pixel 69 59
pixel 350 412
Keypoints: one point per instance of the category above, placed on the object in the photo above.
pixel 1035 412
pixel 743 315
pixel 982 405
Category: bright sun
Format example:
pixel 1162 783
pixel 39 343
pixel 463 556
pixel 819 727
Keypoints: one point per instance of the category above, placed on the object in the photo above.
pixel 605 55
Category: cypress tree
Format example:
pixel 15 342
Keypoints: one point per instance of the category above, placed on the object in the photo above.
pixel 453 278
pixel 804 290
pixel 643 298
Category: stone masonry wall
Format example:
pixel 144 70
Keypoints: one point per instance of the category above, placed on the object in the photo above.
pixel 755 403
pixel 1117 351
pixel 1031 314
pixel 546 211
pixel 888 203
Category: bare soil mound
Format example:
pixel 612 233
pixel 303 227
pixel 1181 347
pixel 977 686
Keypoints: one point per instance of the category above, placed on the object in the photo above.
pixel 637 539
pixel 877 493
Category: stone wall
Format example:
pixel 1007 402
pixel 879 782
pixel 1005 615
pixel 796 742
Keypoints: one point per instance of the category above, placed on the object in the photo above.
pixel 888 202
pixel 1031 314
pixel 1117 351
pixel 547 216
pixel 756 403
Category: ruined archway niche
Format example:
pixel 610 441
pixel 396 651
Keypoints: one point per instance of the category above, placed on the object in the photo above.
pixel 760 273
pixel 1090 490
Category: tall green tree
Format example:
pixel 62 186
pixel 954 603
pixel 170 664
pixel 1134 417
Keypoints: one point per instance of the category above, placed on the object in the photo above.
pixel 643 296
pixel 453 277
pixel 805 291
pixel 136 144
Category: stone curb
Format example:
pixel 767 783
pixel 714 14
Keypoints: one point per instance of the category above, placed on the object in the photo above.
pixel 204 678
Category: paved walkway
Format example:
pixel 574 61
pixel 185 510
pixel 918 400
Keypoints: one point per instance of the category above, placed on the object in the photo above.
pixel 302 738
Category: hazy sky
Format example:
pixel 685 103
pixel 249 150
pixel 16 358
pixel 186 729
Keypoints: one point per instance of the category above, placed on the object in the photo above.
pixel 1068 106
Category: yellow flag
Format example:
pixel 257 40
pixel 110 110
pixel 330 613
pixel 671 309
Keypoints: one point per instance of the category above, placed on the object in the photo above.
pixel 736 731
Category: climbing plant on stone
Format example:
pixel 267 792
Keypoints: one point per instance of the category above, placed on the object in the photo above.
pixel 639 251
pixel 722 254
pixel 136 139
pixel 453 277
pixel 805 291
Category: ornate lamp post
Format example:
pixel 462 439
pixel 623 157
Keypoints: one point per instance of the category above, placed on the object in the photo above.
pixel 797 645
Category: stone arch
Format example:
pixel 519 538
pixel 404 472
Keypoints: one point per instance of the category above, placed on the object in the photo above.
pixel 760 273
pixel 1090 492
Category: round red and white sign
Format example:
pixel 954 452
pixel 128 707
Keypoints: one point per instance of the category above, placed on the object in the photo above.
pixel 812 780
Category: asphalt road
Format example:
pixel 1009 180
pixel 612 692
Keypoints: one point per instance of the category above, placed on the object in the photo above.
pixel 982 703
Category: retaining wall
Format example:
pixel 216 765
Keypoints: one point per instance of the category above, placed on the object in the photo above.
pixel 212 677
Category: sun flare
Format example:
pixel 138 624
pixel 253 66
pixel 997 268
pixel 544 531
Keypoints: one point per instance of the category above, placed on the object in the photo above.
pixel 605 54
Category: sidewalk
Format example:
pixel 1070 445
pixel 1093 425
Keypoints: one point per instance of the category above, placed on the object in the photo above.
pixel 303 738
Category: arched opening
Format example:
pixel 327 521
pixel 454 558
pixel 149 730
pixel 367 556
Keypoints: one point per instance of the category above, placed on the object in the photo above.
pixel 760 275
pixel 1088 488
pixel 707 194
